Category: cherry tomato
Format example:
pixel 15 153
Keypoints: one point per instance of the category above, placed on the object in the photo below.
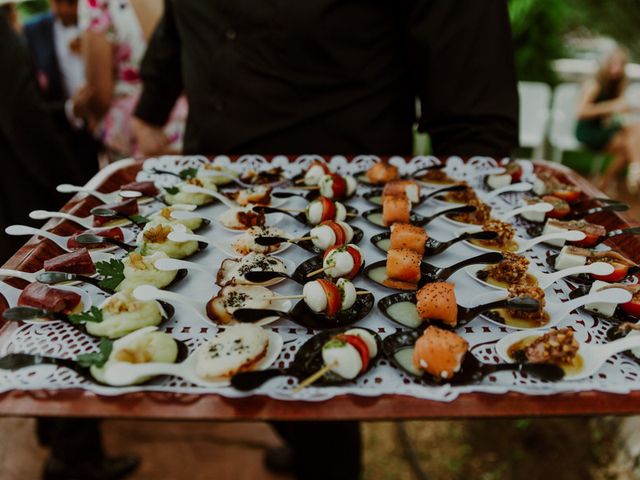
pixel 334 300
pixel 560 207
pixel 360 345
pixel 620 271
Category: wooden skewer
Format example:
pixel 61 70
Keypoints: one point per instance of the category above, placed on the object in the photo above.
pixel 320 270
pixel 299 181
pixel 312 378
pixel 307 187
pixel 296 210
pixel 299 239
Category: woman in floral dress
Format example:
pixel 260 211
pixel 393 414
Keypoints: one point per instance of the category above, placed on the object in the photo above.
pixel 115 37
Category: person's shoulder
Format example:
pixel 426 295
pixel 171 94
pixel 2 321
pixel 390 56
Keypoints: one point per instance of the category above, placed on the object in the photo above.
pixel 39 21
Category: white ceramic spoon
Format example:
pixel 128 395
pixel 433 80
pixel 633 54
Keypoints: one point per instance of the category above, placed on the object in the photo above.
pixel 18 230
pixel 542 207
pixel 105 198
pixel 545 280
pixel 12 294
pixel 185 215
pixel 26 276
pixel 207 191
pixel 514 187
pixel 121 373
pixel 180 237
pixel 558 311
pixel 84 222
pixel 593 355
pixel 527 244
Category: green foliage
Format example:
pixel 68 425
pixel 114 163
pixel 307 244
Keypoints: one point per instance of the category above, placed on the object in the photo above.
pixel 538 29
pixel 32 7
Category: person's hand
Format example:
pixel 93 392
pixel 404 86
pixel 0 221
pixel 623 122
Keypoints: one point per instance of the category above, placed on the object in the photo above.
pixel 622 106
pixel 150 139
pixel 80 101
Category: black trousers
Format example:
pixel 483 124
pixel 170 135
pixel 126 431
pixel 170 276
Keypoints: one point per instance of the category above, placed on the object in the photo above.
pixel 71 440
pixel 323 450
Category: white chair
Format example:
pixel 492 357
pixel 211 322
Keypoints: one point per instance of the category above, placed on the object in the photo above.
pixel 562 135
pixel 535 98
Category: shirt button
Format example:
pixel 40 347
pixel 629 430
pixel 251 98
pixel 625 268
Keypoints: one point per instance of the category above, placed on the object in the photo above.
pixel 230 34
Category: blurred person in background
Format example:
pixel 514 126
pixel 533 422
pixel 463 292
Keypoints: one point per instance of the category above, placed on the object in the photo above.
pixel 332 77
pixel 34 161
pixel 115 36
pixel 54 41
pixel 600 125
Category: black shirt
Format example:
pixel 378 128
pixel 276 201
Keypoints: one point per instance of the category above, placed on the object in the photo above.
pixel 335 76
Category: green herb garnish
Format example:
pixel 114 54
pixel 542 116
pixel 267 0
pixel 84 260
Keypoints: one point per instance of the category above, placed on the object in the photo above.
pixel 172 190
pixel 112 273
pixel 188 173
pixel 94 314
pixel 99 358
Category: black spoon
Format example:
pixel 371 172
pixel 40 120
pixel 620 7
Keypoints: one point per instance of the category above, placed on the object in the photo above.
pixel 91 239
pixel 465 314
pixel 306 244
pixel 307 361
pixel 430 273
pixel 375 196
pixel 536 230
pixel 302 315
pixel 612 207
pixel 415 218
pixel 264 276
pixel 110 213
pixel 299 216
pixel 471 371
pixel 53 278
pixel 432 246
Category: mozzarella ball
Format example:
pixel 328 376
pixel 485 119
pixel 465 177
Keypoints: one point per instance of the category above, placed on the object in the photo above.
pixel 338 263
pixel 348 293
pixel 352 184
pixel 323 237
pixel 341 212
pixel 313 175
pixel 314 296
pixel 345 358
pixel 326 186
pixel 314 212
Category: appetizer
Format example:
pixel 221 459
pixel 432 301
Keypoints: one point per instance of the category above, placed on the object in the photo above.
pixel 592 231
pixel 39 295
pixel 461 196
pixel 337 187
pixel 155 238
pixel 232 297
pixel 537 317
pixel 328 298
pixel 148 189
pixel 439 352
pixel 400 188
pixel 403 269
pixel 331 234
pixel 546 183
pixel 78 261
pixel 557 346
pixel 404 235
pixel 396 209
pixel 234 269
pixel 382 172
pixel 480 216
pixel 323 209
pixel 272 175
pixel 258 195
pixel 115 233
pixel 238 349
pixel 571 256
pixel 512 174
pixel 437 176
pixel 349 353
pixel 139 270
pixel 144 347
pixel 437 301
pixel 242 218
pixel 127 208
pixel 174 195
pixel 512 270
pixel 246 243
pixel 316 171
pixel 342 261
pixel 164 216
pixel 121 314
pixel 212 176
pixel 505 236
pixel 609 309
pixel 560 209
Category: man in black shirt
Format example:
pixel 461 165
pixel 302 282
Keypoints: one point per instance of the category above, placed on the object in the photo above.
pixel 332 77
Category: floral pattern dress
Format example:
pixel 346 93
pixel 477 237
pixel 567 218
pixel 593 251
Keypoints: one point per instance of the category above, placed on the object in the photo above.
pixel 117 19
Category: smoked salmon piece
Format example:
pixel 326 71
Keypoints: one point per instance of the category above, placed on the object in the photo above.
pixel 382 172
pixel 404 235
pixel 437 301
pixel 404 265
pixel 439 352
pixel 398 188
pixel 396 210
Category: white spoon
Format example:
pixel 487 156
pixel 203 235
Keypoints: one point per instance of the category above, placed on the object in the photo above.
pixel 181 237
pixel 559 311
pixel 122 373
pixel 172 264
pixel 545 280
pixel 523 244
pixel 18 230
pixel 536 207
pixel 514 187
pixel 105 198
pixel 12 294
pixel 185 215
pixel 148 292
pixel 27 276
pixel 206 191
pixel 593 355
pixel 84 222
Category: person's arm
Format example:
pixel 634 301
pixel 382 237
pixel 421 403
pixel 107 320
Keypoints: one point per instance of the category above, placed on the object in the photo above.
pixel 161 72
pixel 97 52
pixel 462 60
pixel 588 108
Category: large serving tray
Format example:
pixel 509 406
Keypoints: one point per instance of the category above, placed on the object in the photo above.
pixel 212 406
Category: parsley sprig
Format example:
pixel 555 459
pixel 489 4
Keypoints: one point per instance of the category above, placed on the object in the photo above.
pixel 99 358
pixel 94 315
pixel 112 273
pixel 172 190
pixel 188 173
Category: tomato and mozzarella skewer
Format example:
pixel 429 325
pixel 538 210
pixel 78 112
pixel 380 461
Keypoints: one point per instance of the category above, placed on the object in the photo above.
pixel 342 261
pixel 330 233
pixel 324 296
pixel 323 209
pixel 348 354
pixel 336 186
pixel 316 171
